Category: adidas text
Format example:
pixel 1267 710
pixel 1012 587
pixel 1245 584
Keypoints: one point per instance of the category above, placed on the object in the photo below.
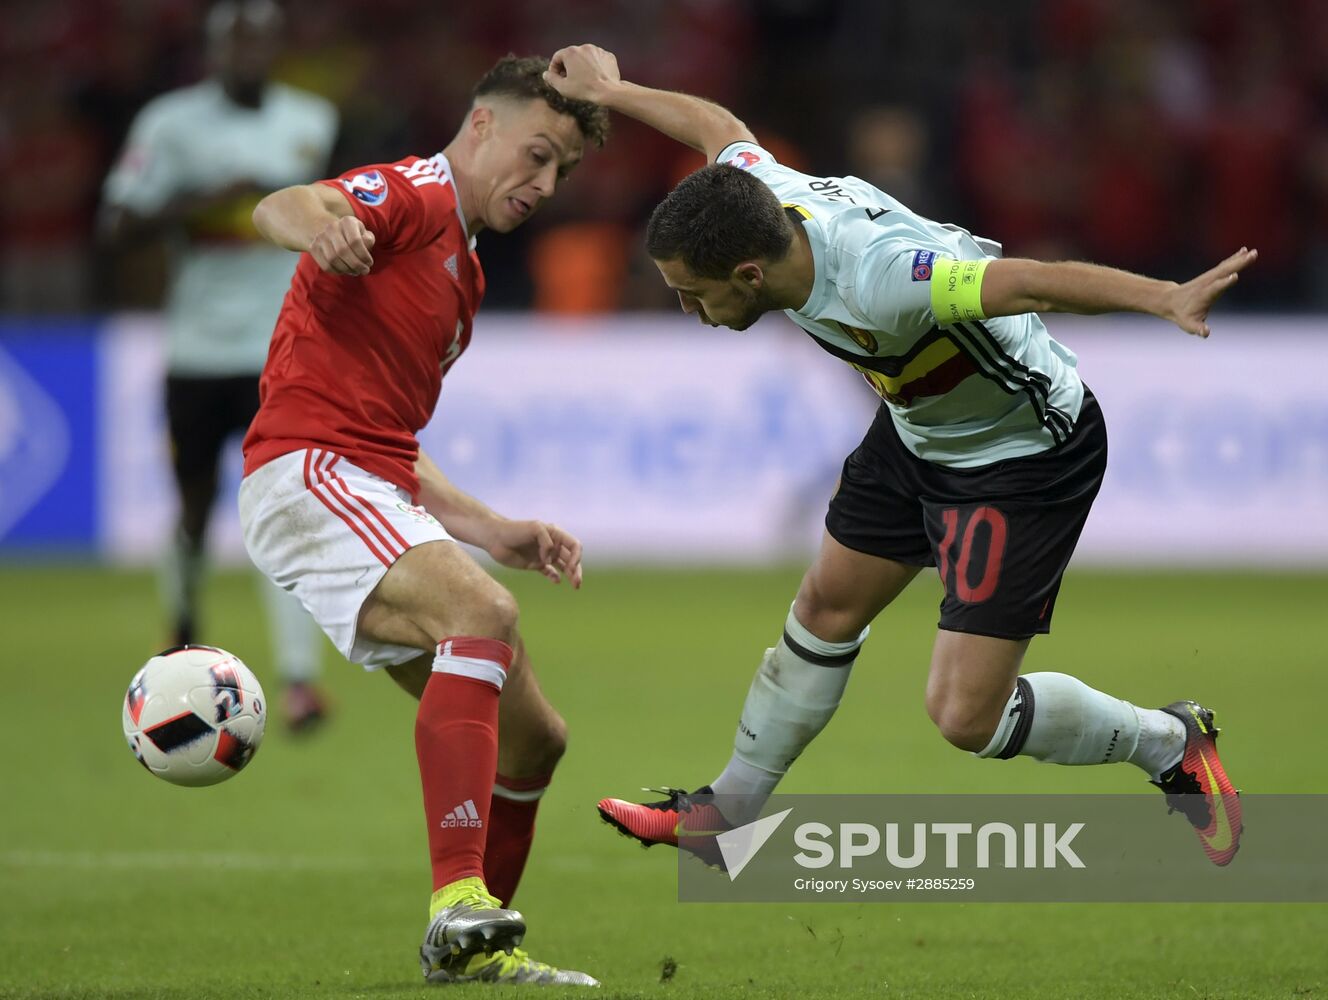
pixel 464 815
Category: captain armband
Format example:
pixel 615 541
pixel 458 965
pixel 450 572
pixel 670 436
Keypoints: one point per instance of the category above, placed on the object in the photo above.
pixel 956 289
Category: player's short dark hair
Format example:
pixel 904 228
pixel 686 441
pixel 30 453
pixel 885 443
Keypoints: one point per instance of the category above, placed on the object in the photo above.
pixel 523 77
pixel 717 218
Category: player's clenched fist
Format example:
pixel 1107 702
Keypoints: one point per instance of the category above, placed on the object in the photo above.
pixel 342 247
pixel 581 72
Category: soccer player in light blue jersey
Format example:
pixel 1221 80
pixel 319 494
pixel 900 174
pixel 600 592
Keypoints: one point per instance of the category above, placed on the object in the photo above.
pixel 983 461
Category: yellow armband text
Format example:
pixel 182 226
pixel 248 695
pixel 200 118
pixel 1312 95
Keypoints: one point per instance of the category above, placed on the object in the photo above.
pixel 956 289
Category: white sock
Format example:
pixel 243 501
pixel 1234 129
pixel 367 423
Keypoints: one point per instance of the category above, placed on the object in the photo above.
pixel 296 642
pixel 750 785
pixel 1161 741
pixel 1060 719
pixel 793 695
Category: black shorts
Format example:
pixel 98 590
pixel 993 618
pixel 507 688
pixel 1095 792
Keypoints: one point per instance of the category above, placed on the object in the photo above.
pixel 201 413
pixel 1001 535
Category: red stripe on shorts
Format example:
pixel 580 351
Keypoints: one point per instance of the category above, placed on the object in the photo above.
pixel 340 489
pixel 313 487
pixel 387 525
pixel 336 487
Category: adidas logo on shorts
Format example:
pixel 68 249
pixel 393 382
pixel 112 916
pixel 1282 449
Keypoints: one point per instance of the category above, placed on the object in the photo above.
pixel 463 815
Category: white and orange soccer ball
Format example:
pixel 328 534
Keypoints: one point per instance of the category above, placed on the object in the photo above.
pixel 194 715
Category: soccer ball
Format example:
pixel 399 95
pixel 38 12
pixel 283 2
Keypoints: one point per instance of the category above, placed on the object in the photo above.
pixel 194 715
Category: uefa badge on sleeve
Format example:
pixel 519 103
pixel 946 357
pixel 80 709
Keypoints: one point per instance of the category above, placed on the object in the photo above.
pixel 922 264
pixel 369 187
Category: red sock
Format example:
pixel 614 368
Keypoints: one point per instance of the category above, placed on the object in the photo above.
pixel 456 741
pixel 511 832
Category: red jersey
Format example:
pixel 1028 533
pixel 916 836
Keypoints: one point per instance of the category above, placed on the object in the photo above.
pixel 356 363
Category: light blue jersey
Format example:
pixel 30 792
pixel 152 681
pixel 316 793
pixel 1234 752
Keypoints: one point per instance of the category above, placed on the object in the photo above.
pixel 962 394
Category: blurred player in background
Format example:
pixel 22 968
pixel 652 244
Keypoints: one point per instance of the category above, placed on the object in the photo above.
pixel 983 461
pixel 195 164
pixel 340 506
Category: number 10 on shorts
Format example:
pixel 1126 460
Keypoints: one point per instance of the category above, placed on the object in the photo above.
pixel 971 551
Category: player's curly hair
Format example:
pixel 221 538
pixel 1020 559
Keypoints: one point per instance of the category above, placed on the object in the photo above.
pixel 523 77
pixel 717 218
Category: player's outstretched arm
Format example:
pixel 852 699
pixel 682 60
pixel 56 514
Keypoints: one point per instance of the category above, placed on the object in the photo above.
pixel 315 219
pixel 589 73
pixel 535 545
pixel 1011 287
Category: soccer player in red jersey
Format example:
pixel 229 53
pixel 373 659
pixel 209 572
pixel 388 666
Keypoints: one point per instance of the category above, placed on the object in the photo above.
pixel 341 507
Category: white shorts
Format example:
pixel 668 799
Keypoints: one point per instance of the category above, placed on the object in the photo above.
pixel 327 531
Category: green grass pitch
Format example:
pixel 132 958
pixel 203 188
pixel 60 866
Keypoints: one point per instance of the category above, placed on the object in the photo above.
pixel 306 876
